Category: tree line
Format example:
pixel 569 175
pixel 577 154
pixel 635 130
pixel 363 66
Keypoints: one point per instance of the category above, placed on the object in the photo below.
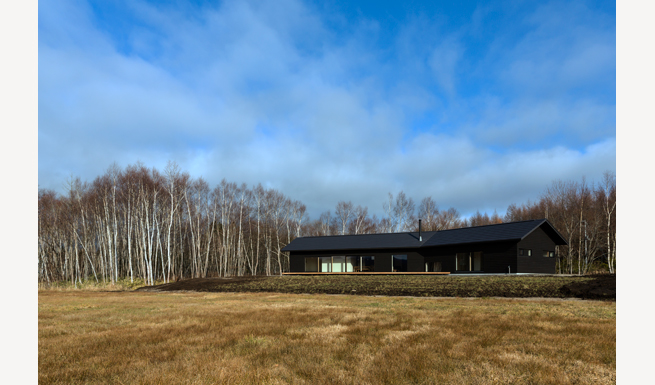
pixel 140 223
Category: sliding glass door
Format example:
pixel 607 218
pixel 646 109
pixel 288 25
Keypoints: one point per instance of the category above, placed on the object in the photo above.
pixel 477 261
pixel 311 264
pixel 468 261
pixel 367 264
pixel 325 264
pixel 431 267
pixel 462 262
pixel 399 263
pixel 352 264
pixel 340 264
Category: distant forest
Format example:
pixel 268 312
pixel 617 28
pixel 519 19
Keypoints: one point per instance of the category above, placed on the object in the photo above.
pixel 140 223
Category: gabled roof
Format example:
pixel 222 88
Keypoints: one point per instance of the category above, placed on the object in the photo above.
pixel 512 231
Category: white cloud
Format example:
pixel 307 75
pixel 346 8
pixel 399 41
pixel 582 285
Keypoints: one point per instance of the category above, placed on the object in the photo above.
pixel 533 122
pixel 253 94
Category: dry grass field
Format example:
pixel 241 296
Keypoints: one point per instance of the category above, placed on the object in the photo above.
pixel 89 337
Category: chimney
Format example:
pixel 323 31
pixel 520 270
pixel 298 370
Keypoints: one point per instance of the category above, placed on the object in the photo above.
pixel 420 239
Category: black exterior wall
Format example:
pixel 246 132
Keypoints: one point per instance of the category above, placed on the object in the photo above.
pixel 537 241
pixel 383 258
pixel 296 263
pixel 498 257
pixel 415 262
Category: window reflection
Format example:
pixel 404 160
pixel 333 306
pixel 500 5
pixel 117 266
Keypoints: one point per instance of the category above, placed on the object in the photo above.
pixel 326 264
pixel 399 263
pixel 311 264
pixel 340 264
pixel 432 267
pixel 468 261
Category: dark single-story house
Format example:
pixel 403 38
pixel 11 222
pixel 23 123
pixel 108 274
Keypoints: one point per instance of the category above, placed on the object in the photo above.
pixel 513 247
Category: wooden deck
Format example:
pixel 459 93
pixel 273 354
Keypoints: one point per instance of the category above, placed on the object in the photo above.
pixel 375 272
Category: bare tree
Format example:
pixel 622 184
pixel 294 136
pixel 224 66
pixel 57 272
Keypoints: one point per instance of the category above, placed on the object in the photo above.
pixel 606 194
pixel 174 183
pixel 449 219
pixel 564 196
pixel 360 219
pixel 141 224
pixel 344 213
pixel 325 223
pixel 400 212
pixel 428 211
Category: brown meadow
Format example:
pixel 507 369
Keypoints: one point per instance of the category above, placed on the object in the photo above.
pixel 267 338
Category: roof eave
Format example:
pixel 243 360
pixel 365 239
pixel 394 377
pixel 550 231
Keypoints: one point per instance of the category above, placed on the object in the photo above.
pixel 362 248
pixel 475 242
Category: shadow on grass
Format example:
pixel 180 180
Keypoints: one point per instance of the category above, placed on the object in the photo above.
pixel 201 284
pixel 600 287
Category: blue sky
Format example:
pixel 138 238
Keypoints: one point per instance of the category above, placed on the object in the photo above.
pixel 478 105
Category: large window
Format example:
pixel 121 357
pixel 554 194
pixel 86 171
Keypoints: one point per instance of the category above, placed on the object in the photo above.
pixel 358 263
pixel 468 261
pixel 399 263
pixel 325 264
pixel 525 252
pixel 431 267
pixel 477 261
pixel 311 264
pixel 339 264
pixel 462 262
pixel 352 264
pixel 367 263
